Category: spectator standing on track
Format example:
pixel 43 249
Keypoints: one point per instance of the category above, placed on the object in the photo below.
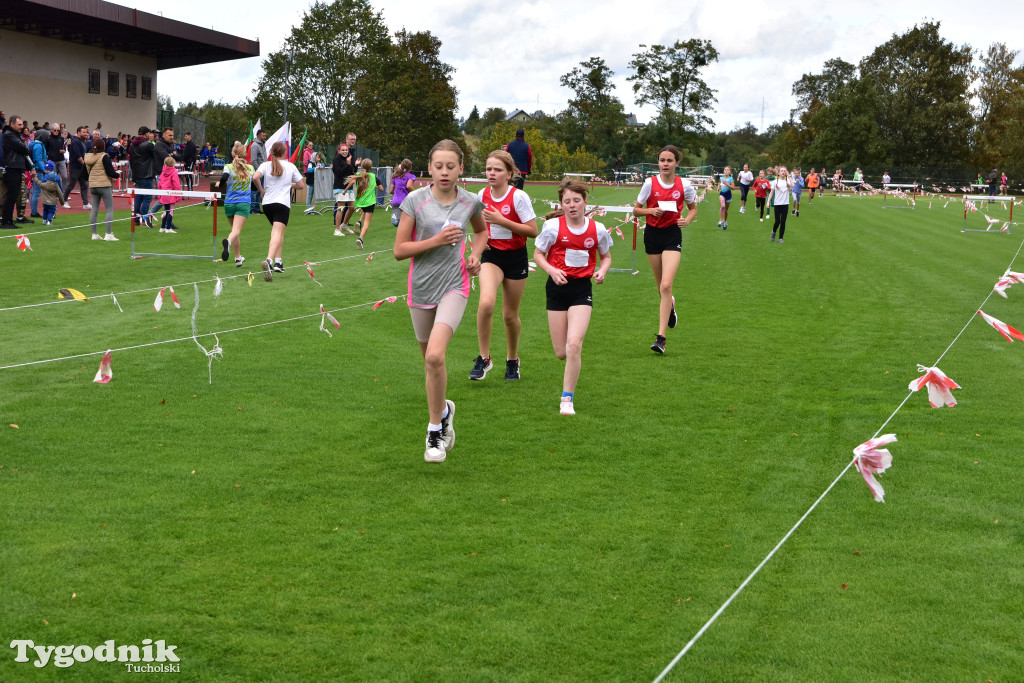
pixel 310 165
pixel 16 162
pixel 38 152
pixel 79 147
pixel 522 155
pixel 618 167
pixel 50 193
pixel 55 146
pixel 343 166
pixel 100 170
pixel 993 182
pixel 189 157
pixel 144 164
pixel 258 155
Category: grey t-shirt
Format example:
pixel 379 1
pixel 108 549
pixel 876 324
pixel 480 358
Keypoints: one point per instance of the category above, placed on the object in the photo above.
pixel 434 273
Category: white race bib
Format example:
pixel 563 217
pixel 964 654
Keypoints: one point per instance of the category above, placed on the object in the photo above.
pixel 668 207
pixel 500 233
pixel 577 258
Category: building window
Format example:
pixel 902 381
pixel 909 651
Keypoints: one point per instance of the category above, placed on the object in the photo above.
pixel 94 81
pixel 129 85
pixel 147 88
pixel 113 82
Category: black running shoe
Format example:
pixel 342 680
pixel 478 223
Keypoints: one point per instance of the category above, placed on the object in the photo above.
pixel 480 367
pixel 278 266
pixel 512 370
pixel 225 255
pixel 659 344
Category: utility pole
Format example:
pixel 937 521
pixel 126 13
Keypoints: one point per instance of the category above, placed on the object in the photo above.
pixel 762 114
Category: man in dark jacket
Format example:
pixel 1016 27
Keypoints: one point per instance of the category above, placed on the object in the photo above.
pixel 142 160
pixel 522 154
pixel 189 154
pixel 80 145
pixel 16 162
pixel 55 146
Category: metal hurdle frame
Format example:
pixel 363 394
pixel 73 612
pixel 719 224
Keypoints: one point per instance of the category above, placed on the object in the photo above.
pixel 208 196
pixel 848 185
pixel 885 196
pixel 997 198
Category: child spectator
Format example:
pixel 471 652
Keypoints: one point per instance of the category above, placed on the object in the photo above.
pixel 50 193
pixel 168 181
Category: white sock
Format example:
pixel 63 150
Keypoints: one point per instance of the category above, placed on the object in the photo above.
pixel 277 260
pixel 433 427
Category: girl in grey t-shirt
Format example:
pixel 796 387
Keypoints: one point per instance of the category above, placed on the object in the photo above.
pixel 431 233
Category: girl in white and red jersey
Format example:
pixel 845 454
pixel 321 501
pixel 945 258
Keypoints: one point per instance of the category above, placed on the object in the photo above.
pixel 510 220
pixel 661 199
pixel 567 249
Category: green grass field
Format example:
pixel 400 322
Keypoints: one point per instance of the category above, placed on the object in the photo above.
pixel 280 524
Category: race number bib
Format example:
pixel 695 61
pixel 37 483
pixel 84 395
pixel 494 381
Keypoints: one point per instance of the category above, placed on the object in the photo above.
pixel 668 207
pixel 577 258
pixel 500 233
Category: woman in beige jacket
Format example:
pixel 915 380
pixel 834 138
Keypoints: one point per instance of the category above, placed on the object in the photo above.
pixel 101 170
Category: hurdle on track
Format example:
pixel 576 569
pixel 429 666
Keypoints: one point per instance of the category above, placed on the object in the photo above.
pixel 969 201
pixel 912 204
pixel 208 196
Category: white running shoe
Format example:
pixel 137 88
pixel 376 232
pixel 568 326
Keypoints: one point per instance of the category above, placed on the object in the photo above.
pixel 566 408
pixel 435 448
pixel 448 427
pixel 308 211
pixel 166 230
pixel 97 236
pixel 743 209
pixel 66 205
pixel 86 207
pixel 110 238
pixel 338 232
pixel 239 261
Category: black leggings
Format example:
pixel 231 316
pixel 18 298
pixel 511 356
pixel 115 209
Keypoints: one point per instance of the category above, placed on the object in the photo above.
pixel 781 211
pixel 759 203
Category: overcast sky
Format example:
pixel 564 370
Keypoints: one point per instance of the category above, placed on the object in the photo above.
pixel 511 55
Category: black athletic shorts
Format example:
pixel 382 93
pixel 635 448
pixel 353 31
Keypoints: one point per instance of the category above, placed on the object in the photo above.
pixel 575 292
pixel 367 209
pixel 514 263
pixel 657 240
pixel 277 213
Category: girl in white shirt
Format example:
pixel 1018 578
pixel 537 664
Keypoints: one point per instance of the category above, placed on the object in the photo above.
pixel 782 186
pixel 279 176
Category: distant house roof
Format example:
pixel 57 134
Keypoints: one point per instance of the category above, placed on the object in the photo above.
pixel 518 113
pixel 631 121
pixel 103 24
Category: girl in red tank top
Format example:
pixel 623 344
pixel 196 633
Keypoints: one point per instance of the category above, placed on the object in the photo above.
pixel 661 200
pixel 568 250
pixel 505 263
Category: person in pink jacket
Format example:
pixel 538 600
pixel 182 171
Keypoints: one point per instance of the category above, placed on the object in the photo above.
pixel 168 181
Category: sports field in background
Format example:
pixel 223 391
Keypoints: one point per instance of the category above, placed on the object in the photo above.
pixel 280 524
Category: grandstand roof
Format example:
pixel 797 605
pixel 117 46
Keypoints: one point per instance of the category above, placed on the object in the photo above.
pixel 105 25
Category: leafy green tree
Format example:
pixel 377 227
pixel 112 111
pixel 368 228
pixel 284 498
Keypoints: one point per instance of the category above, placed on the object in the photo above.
pixel 670 79
pixel 408 102
pixel 1000 113
pixel 323 60
pixel 594 117
pixel 229 116
pixel 815 90
pixel 472 121
pixel 921 84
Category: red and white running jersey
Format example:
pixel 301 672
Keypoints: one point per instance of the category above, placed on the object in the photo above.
pixel 500 237
pixel 673 194
pixel 575 255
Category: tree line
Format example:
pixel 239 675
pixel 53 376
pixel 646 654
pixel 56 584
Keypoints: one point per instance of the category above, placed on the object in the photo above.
pixel 907 104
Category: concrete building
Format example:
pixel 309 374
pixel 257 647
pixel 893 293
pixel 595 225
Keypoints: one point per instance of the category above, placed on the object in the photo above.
pixel 90 61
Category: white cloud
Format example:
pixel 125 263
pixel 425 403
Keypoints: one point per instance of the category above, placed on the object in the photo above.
pixel 512 56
